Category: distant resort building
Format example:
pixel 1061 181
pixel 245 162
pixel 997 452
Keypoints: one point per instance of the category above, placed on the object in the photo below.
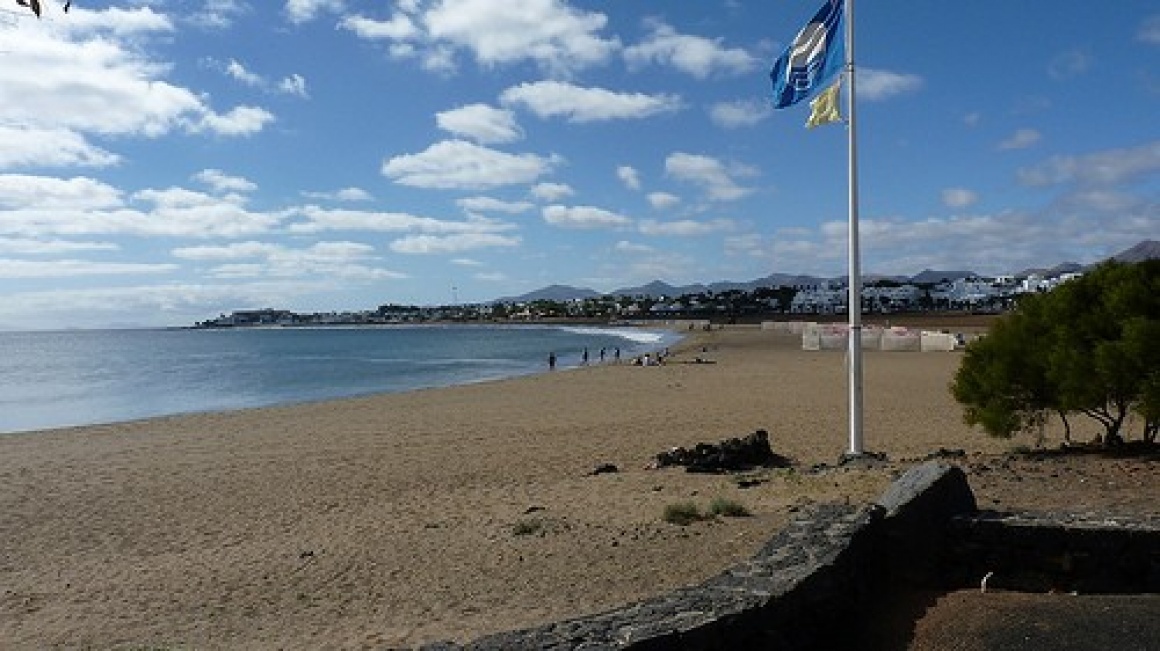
pixel 828 297
pixel 257 318
pixel 970 293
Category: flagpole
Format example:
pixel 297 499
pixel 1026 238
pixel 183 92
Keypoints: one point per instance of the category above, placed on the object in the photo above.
pixel 854 304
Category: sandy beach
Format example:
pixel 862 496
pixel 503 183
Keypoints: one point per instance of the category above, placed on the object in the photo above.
pixel 395 520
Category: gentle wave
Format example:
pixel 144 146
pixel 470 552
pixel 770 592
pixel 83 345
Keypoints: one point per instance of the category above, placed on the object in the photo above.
pixel 631 334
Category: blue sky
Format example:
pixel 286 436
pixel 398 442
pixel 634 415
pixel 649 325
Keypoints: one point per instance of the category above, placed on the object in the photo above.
pixel 164 161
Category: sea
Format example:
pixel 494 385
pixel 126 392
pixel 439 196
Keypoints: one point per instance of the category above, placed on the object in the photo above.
pixel 85 377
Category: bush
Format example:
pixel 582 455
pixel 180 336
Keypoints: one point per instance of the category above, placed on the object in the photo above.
pixel 683 513
pixel 528 527
pixel 728 508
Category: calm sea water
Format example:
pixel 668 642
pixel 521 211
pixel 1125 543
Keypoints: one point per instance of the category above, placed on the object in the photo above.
pixel 58 379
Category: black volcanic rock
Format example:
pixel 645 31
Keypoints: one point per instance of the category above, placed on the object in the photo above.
pixel 730 455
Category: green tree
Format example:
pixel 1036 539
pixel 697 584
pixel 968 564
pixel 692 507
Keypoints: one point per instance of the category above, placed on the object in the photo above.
pixel 1089 347
pixel 1003 381
pixel 34 5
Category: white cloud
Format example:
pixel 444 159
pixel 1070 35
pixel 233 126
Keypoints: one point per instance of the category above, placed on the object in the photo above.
pixel 459 164
pixel 19 192
pixel 301 11
pixel 648 267
pixel 958 198
pixel 96 60
pixel 218 14
pixel 491 204
pixel 42 206
pixel 232 251
pixel 751 245
pixel 480 122
pixel 550 192
pixel 1070 64
pixel 1105 168
pixel 346 195
pixel 238 72
pixel 551 33
pixel 29 147
pixel 180 212
pixel 740 113
pixel 629 176
pixel 684 227
pixel 875 85
pixel 662 200
pixel 549 99
pixel 1021 139
pixel 319 220
pixel 439 244
pixel 1150 30
pixel 239 121
pixel 221 182
pixel 139 21
pixel 633 248
pixel 583 217
pixel 438 58
pixel 25 269
pixel 983 243
pixel 558 38
pixel 353 195
pixel 399 27
pixel 294 84
pixel 252 259
pixel 694 55
pixel 709 173
pixel 36 246
pixel 490 277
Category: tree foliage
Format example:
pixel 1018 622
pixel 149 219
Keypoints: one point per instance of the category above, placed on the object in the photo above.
pixel 34 5
pixel 1090 347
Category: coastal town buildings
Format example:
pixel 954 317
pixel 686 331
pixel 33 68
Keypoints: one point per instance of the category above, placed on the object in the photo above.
pixel 829 297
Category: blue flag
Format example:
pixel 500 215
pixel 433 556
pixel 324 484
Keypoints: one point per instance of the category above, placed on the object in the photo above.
pixel 815 56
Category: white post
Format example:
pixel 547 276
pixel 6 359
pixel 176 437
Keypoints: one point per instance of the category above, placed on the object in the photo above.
pixel 854 304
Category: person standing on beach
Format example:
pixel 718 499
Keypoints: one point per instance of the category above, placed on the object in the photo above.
pixel 585 362
pixel 616 355
pixel 552 361
pixel 602 355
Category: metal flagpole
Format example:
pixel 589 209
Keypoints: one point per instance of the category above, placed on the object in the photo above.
pixel 854 303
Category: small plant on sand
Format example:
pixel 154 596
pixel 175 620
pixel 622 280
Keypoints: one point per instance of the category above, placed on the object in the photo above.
pixel 791 475
pixel 751 479
pixel 528 527
pixel 728 508
pixel 683 513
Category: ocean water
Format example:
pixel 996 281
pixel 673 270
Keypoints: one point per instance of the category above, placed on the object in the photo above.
pixel 59 379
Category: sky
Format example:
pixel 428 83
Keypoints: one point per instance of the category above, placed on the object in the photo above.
pixel 166 161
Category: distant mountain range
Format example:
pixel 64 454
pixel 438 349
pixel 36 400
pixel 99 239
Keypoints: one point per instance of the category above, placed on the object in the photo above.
pixel 1146 250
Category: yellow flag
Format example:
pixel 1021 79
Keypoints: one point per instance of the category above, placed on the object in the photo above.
pixel 824 108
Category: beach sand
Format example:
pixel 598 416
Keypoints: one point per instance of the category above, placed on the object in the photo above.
pixel 395 520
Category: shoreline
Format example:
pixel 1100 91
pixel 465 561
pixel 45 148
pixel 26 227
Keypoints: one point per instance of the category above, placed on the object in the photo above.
pixel 447 513
pixel 497 369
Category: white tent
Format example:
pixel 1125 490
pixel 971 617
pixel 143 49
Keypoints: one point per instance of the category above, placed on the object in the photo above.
pixel 937 341
pixel 901 339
